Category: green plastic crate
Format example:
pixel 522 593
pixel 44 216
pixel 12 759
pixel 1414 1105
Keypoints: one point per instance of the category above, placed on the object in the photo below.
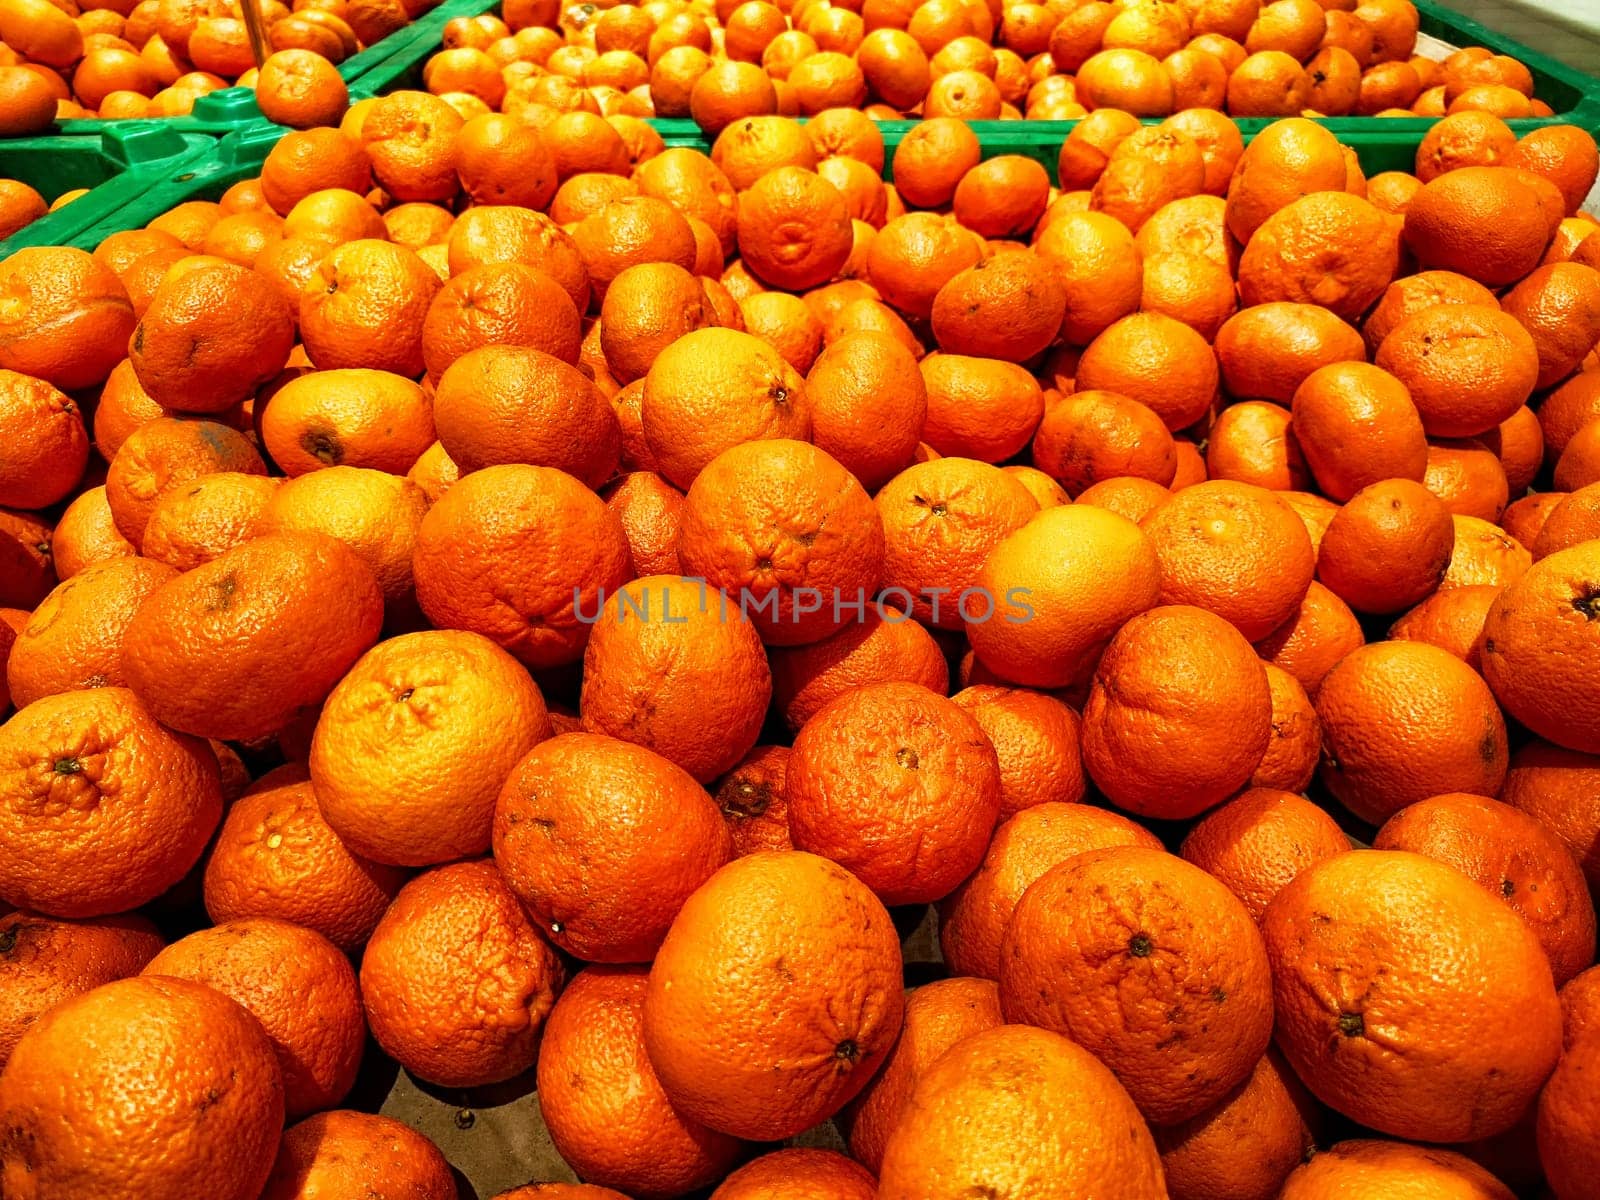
pixel 127 159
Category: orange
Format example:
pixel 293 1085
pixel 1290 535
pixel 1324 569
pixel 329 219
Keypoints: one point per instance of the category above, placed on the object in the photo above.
pixel 301 989
pixel 1258 842
pixel 883 646
pixel 1071 967
pixel 356 418
pixel 28 573
pixel 1552 784
pixel 713 389
pixel 1036 740
pixel 1468 367
pixel 553 546
pixel 28 99
pixel 1402 721
pixel 1156 360
pixel 487 411
pixel 748 149
pixel 1127 496
pixel 869 403
pixel 1468 477
pixel 365 306
pixel 372 763
pixel 796 572
pixel 209 338
pixel 794 228
pixel 1537 633
pixel 333 216
pixel 236 646
pixel 1518 442
pixel 822 1173
pixel 102 859
pixel 87 534
pixel 341 1151
pixel 300 89
pixel 1579 464
pixel 1567 1149
pixel 1511 856
pixel 1134 705
pixel 504 304
pixel 607 1114
pixel 1387 548
pixel 1058 614
pixel 1191 288
pixel 47 446
pixel 651 510
pixel 1492 200
pixel 412 139
pixel 1266 351
pixel 1375 949
pixel 164 1047
pixel 1287 160
pixel 1287 256
pixel 1372 1168
pixel 1269 83
pixel 646 308
pixel 193 524
pixel 931 160
pixel 978 408
pixel 973 918
pixel 64 317
pixel 1094 435
pixel 1096 256
pixel 74 638
pixel 1002 197
pixel 727 91
pixel 1572 522
pixel 938 1015
pixel 601 894
pixel 1356 425
pixel 1564 154
pixel 1559 306
pixel 1247 1145
pixel 1451 619
pixel 706 1025
pixel 1484 553
pixel 476 1018
pixel 1291 757
pixel 926 753
pixel 752 801
pixel 1234 549
pixel 310 161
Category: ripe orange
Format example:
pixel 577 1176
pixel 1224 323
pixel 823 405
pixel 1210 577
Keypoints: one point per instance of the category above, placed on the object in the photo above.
pixel 1374 950
pixel 66 318
pixel 341 1151
pixel 1095 435
pixel 1467 366
pixel 47 445
pixel 66 852
pixel 825 1174
pixel 365 306
pixel 354 418
pixel 474 1017
pixel 1373 1168
pixel 198 1090
pixel 1156 360
pixel 1357 425
pixel 1388 547
pixel 1008 306
pixel 868 405
pixel 885 645
pixel 1568 1151
pixel 1268 350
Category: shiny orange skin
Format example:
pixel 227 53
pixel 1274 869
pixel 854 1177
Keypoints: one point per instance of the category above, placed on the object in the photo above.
pixel 1371 1168
pixel 883 646
pixel 823 1174
pixel 1568 1148
pixel 1036 739
pixel 335 1152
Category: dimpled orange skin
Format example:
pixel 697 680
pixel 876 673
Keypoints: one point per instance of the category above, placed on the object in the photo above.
pixel 674 667
pixel 545 536
pixel 602 841
pixel 456 980
pixel 1259 841
pixel 64 317
pixel 560 1191
pixel 233 648
pixel 414 742
pixel 1036 739
pixel 1408 998
pixel 898 785
pixel 774 518
pixel 1151 965
pixel 47 445
pixel 1541 646
pixel 1179 713
pixel 46 962
pixel 1011 1106
pixel 775 995
pixel 1511 856
pixel 101 808
pixel 816 1173
pixel 171 1083
pixel 880 647
pixel 1058 564
pixel 1328 248
pixel 165 454
pixel 607 1115
pixel 1402 721
pixel 938 1015
pixel 1377 1170
pixel 275 856
pixel 1569 1121
pixel 973 918
pixel 333 1153
pixel 301 989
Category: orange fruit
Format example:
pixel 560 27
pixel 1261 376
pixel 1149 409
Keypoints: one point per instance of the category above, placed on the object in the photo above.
pixel 87 534
pixel 1484 553
pixel 1570 523
pixel 1565 155
pixel 1259 841
pixel 1468 477
pixel 1451 619
pixel 354 418
pixel 1035 738
pixel 65 317
pixel 28 573
pixel 791 576
pixel 885 645
pixel 341 1151
pixel 1287 256
pixel 1567 1148
pixel 974 917
pixel 607 1114
pixel 1537 635
pixel 751 797
pixel 1552 785
pixel 604 895
pixel 1370 1168
pixel 647 308
pixel 1156 360
pixel 1054 973
pixel 1387 548
pixel 475 1017
pixel 1288 159
pixel 938 1015
pixel 412 139
pixel 51 961
pixel 794 228
pixel 1097 258
pixel 301 989
pixel 922 750
pixel 506 304
pixel 162 456
pixel 381 782
pixel 1094 435
pixel 193 524
pixel 365 306
pixel 554 546
pixel 101 859
pixel 1052 575
pixel 47 445
pixel 301 89
pixel 1512 856
pixel 1135 706
pixel 164 1046
pixel 1267 351
pixel 822 1173
pixel 1356 425
pixel 486 404
pixel 1008 306
pixel 1478 198
pixel 1402 721
pixel 1390 945
pixel 706 1025
pixel 868 405
pixel 310 161
pixel 713 389
pixel 1559 305
pixel 1291 757
pixel 979 408
pixel 1468 367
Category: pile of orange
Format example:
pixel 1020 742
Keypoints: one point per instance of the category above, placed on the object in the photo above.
pixel 971 59
pixel 117 59
pixel 564 607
